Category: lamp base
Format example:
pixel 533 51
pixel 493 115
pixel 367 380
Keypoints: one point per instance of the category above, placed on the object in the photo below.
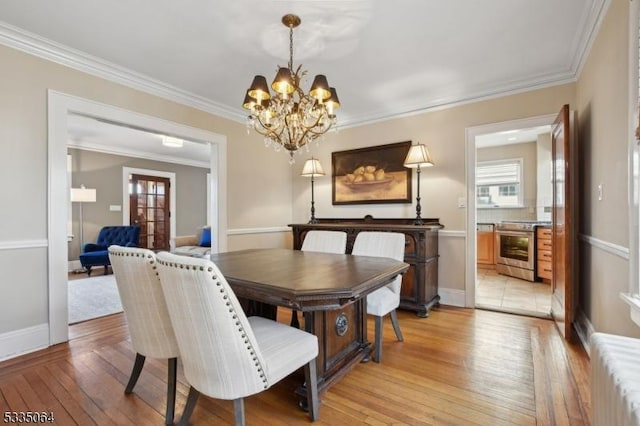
pixel 313 221
pixel 418 221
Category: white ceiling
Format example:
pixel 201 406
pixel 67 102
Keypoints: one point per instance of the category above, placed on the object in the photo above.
pixel 510 137
pixel 385 58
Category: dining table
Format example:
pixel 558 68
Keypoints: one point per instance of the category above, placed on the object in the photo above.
pixel 329 289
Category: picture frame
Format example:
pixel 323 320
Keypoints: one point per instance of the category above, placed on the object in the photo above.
pixel 371 175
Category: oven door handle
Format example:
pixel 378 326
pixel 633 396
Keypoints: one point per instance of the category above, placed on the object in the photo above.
pixel 516 233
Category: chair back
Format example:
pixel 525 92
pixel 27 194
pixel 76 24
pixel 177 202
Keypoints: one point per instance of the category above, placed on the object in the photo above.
pixel 325 241
pixel 381 244
pixel 218 348
pixel 143 302
pixel 127 236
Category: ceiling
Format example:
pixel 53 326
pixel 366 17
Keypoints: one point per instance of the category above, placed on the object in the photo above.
pixel 386 59
pixel 510 137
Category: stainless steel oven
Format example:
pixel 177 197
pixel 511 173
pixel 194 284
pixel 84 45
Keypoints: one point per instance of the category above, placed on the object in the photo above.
pixel 515 249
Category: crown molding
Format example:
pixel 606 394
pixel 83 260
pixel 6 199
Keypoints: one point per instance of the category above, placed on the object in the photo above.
pixel 41 47
pixel 496 92
pixel 104 149
pixel 590 24
pixel 25 41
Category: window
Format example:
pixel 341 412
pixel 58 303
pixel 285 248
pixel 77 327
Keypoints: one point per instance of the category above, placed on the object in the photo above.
pixel 498 183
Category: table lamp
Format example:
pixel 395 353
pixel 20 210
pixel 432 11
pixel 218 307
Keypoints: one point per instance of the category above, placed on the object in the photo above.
pixel 417 157
pixel 312 168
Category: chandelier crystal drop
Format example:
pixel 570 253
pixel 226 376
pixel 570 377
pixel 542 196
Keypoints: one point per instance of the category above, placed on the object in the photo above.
pixel 290 117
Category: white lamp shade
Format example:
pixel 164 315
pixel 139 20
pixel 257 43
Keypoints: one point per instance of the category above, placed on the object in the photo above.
pixel 312 168
pixel 83 195
pixel 418 156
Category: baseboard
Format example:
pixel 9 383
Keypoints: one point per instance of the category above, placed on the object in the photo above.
pixel 584 329
pixel 451 296
pixel 20 342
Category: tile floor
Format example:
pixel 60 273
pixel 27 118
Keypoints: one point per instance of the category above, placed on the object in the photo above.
pixel 509 294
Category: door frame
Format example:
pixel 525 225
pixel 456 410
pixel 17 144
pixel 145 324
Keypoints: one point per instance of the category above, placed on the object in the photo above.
pixel 470 169
pixel 59 105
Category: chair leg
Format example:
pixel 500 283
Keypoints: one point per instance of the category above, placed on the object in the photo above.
pixel 311 380
pixel 171 390
pixel 88 271
pixel 192 399
pixel 135 373
pixel 378 356
pixel 396 325
pixel 238 411
pixel 106 269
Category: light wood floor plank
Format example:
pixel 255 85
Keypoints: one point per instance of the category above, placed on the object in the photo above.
pixel 459 366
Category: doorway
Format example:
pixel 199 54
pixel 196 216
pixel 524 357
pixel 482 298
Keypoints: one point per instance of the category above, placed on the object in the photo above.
pixel 60 106
pixel 504 196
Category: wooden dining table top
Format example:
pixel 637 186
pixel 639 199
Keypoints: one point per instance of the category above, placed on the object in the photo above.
pixel 305 280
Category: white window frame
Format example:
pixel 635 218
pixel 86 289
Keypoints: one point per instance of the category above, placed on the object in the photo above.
pixel 520 201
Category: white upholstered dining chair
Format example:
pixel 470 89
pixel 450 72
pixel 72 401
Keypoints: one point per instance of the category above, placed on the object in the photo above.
pixel 325 241
pixel 147 316
pixel 225 354
pixel 384 300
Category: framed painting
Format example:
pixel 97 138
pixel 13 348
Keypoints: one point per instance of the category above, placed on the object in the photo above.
pixel 371 175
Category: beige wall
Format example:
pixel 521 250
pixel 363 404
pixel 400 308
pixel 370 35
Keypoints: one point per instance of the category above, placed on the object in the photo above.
pixel 602 93
pixel 259 180
pixel 443 131
pixel 264 191
pixel 104 173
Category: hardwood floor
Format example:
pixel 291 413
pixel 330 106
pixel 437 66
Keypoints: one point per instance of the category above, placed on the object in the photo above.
pixel 459 366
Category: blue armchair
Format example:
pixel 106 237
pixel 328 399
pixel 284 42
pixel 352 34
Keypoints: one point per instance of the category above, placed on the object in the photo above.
pixel 97 254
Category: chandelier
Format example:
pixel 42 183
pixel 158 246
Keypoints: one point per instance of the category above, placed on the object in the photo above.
pixel 290 118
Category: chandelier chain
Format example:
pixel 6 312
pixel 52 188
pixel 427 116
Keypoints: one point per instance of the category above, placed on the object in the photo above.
pixel 291 47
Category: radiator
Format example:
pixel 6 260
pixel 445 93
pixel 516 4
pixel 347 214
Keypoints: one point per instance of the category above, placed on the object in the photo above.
pixel 615 380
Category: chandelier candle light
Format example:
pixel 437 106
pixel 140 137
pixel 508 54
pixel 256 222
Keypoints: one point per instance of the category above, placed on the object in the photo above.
pixel 417 157
pixel 290 118
pixel 312 168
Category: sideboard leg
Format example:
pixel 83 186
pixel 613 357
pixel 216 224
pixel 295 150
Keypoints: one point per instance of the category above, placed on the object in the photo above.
pixel 422 313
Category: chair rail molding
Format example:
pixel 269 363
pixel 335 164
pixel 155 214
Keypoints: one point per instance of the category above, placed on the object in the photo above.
pixel 615 249
pixel 23 244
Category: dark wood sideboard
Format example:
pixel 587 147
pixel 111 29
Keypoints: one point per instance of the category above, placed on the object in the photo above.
pixel 420 282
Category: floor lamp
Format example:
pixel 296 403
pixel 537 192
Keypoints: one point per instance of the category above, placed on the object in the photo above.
pixel 82 195
pixel 417 157
pixel 312 168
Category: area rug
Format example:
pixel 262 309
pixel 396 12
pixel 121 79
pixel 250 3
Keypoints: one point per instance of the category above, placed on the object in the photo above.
pixel 92 298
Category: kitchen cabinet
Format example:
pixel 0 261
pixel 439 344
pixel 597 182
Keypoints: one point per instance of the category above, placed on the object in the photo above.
pixel 544 253
pixel 485 245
